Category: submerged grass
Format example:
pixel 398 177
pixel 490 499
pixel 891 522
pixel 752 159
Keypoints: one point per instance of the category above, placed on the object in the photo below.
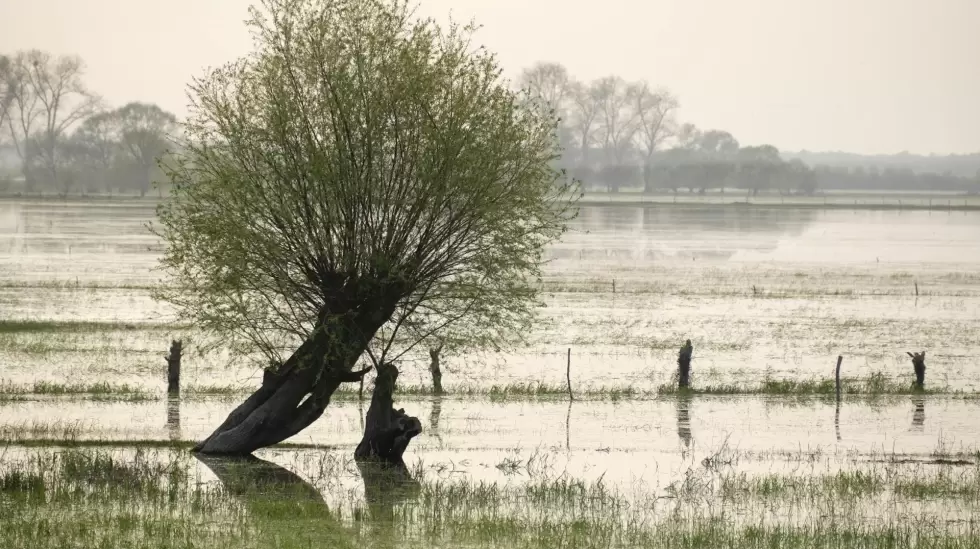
pixel 159 498
pixel 876 384
pixel 98 391
pixel 873 386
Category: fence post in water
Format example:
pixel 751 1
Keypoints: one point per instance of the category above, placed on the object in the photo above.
pixel 837 377
pixel 173 367
pixel 684 365
pixel 568 375
pixel 916 289
pixel 435 370
pixel 919 366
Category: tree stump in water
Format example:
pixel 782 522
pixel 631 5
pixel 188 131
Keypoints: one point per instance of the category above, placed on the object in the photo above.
pixel 435 370
pixel 387 431
pixel 173 367
pixel 684 365
pixel 919 365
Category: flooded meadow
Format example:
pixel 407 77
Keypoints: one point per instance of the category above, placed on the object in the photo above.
pixel 93 453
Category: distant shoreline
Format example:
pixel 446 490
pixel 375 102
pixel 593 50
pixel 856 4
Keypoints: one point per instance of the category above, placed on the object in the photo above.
pixel 781 205
pixel 837 201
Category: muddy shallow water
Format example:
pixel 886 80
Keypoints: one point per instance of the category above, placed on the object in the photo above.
pixel 653 440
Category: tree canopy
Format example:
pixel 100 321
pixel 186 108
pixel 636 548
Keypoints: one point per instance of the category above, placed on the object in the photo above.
pixel 360 151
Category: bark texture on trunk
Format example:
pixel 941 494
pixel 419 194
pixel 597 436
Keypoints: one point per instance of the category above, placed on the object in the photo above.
pixel 684 365
pixel 296 394
pixel 387 431
pixel 435 370
pixel 919 366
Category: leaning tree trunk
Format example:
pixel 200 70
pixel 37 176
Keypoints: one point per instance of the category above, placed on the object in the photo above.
pixel 387 431
pixel 295 395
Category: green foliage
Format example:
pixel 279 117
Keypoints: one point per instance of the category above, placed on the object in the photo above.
pixel 360 151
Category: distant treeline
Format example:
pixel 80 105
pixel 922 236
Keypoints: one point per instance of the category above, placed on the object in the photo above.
pixel 56 135
pixel 619 134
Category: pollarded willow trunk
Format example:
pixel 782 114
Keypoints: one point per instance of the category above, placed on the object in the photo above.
pixel 387 431
pixel 297 393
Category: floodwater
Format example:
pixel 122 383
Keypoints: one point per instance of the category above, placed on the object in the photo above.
pixel 776 293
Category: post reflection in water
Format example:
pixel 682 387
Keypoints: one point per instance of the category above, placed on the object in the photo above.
pixel 683 404
pixel 173 417
pixel 919 415
pixel 837 420
pixel 434 418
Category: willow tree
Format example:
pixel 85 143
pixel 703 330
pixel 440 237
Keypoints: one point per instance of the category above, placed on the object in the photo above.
pixel 363 181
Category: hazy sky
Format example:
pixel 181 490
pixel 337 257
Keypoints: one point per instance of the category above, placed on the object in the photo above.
pixel 870 76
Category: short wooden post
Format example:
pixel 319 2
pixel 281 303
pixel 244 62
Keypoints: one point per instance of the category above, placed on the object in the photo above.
pixel 919 366
pixel 435 370
pixel 837 377
pixel 568 375
pixel 173 367
pixel 684 365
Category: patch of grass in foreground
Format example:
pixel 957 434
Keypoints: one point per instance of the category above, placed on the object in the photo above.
pixel 98 498
pixel 911 484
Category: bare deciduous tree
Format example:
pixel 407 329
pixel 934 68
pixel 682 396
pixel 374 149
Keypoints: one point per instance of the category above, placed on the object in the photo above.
pixel 584 102
pixel 144 131
pixel 7 88
pixel 48 98
pixel 655 118
pixel 549 82
pixel 617 117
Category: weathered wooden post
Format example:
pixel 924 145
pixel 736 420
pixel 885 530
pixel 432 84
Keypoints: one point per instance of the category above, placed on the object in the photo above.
pixel 837 377
pixel 435 370
pixel 684 365
pixel 919 366
pixel 173 367
pixel 568 375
